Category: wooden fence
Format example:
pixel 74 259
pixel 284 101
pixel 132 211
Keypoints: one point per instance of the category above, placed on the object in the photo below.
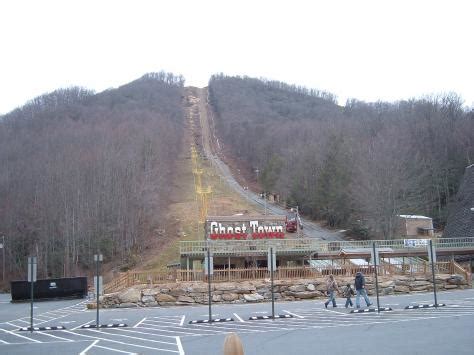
pixel 131 278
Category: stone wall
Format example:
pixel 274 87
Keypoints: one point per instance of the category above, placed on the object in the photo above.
pixel 188 293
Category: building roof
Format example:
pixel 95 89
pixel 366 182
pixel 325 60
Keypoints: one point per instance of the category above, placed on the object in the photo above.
pixel 460 223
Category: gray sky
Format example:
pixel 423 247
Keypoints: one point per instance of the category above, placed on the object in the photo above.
pixel 369 50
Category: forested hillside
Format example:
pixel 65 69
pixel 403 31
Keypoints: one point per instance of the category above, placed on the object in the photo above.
pixel 83 171
pixel 355 166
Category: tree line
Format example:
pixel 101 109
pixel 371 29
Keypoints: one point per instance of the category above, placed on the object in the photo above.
pixel 355 166
pixel 82 172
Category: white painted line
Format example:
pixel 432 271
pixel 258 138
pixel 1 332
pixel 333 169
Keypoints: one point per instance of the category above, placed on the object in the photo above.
pixel 3 341
pixel 240 319
pixel 84 352
pixel 293 314
pixel 182 321
pixel 55 336
pixel 21 336
pixel 83 324
pixel 117 351
pixel 118 342
pixel 180 346
pixel 141 331
pixel 138 338
pixel 136 325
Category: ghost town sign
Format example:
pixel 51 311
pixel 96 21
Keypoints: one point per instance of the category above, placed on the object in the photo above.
pixel 245 227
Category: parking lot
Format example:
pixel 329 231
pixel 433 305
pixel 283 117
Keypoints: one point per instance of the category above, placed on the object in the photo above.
pixel 311 328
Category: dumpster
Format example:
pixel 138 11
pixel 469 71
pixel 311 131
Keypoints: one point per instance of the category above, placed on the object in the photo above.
pixel 66 287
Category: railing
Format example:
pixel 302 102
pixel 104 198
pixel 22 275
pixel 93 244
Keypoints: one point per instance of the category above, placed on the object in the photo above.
pixel 307 245
pixel 221 275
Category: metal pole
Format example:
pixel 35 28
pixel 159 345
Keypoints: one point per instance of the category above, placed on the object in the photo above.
pixel 376 278
pixel 433 272
pixel 97 292
pixel 271 278
pixel 265 200
pixel 3 258
pixel 209 279
pixel 31 289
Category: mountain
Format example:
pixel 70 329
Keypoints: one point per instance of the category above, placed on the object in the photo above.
pixel 357 165
pixel 83 172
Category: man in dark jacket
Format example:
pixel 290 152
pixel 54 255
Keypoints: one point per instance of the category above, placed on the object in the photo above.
pixel 359 285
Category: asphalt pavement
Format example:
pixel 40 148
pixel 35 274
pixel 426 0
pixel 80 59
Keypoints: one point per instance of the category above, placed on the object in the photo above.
pixel 310 328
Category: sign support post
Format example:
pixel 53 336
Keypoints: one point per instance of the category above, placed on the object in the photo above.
pixel 432 254
pixel 97 258
pixel 32 279
pixel 271 278
pixel 375 257
pixel 209 279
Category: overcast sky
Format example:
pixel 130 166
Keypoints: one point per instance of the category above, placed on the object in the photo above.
pixel 369 50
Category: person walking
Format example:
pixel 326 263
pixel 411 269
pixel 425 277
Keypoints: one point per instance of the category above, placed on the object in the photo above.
pixel 359 284
pixel 347 292
pixel 331 287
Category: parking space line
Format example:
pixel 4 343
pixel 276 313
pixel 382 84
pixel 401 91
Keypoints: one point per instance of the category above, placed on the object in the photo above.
pixel 3 341
pixel 240 319
pixel 84 352
pixel 141 332
pixel 182 321
pixel 168 331
pixel 55 336
pixel 180 346
pixel 116 350
pixel 120 342
pixel 82 324
pixel 293 314
pixel 20 336
pixel 132 331
pixel 136 325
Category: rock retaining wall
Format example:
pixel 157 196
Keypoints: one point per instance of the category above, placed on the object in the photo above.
pixel 188 293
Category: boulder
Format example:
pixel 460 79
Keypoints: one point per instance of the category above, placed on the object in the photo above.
pixel 164 298
pixel 268 295
pixel 450 287
pixel 388 290
pixel 263 290
pixel 198 289
pixel 177 292
pixel 245 287
pixel 127 305
pixel 226 286
pixel 297 288
pixel 402 289
pixel 418 284
pixel 385 284
pixel 150 292
pixel 185 299
pixel 131 295
pixel 310 287
pixel 253 297
pixel 456 280
pixel 216 298
pixel 229 297
pixel 305 294
pixel 148 299
pixel 151 304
